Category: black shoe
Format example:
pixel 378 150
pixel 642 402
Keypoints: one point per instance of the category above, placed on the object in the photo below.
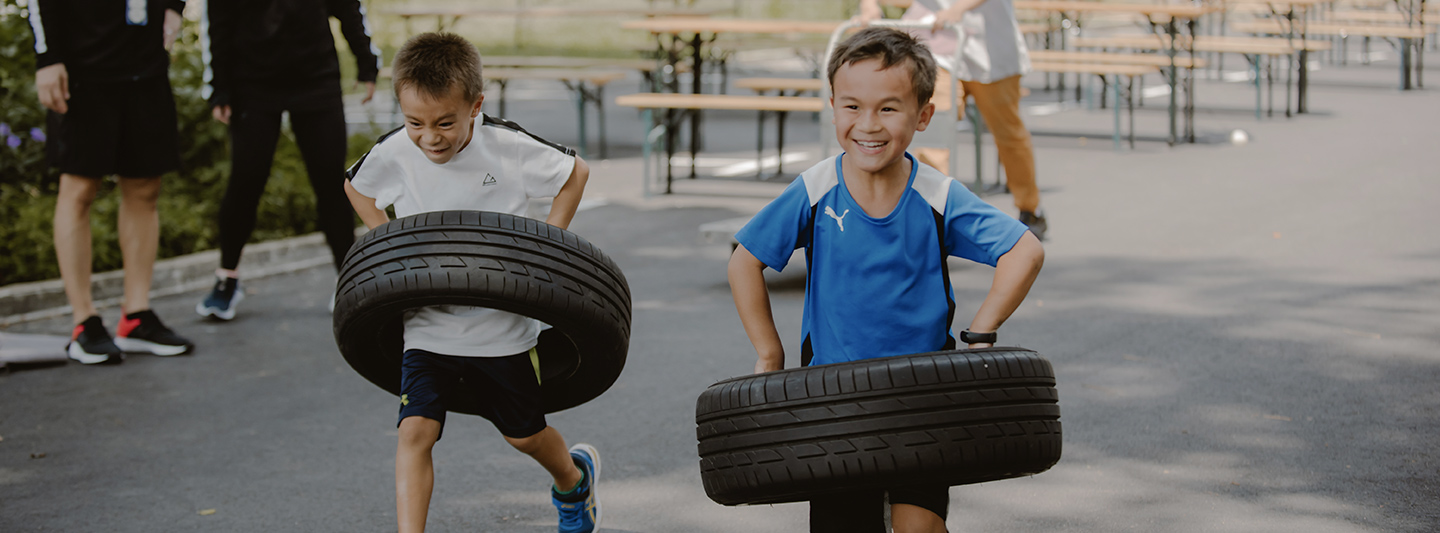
pixel 91 344
pixel 220 303
pixel 1035 222
pixel 142 332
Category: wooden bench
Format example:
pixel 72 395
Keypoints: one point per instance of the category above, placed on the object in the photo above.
pixel 1153 60
pixel 1101 69
pixel 1251 48
pixel 649 102
pixel 1409 37
pixel 1341 29
pixel 796 87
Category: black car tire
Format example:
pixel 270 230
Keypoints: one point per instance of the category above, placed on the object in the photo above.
pixel 491 260
pixel 942 418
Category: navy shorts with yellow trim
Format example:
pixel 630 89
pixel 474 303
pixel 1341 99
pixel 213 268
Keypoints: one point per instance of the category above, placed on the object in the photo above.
pixel 508 389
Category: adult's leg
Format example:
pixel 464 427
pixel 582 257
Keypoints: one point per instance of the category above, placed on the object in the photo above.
pixel 321 137
pixel 999 105
pixel 139 228
pixel 72 241
pixel 253 134
pixel 414 472
pixel 940 157
pixel 548 448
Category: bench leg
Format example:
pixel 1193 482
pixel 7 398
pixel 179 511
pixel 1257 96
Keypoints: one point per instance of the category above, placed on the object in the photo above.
pixel 580 107
pixel 1405 64
pixel 503 83
pixel 1269 86
pixel 600 109
pixel 1130 97
pixel 780 143
pixel 1255 68
pixel 697 77
pixel 1116 134
pixel 760 144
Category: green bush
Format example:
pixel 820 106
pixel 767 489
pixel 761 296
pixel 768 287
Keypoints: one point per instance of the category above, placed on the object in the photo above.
pixel 190 201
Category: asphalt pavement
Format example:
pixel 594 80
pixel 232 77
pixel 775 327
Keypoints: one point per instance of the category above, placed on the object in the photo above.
pixel 1246 337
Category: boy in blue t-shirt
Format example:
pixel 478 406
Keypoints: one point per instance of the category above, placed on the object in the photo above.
pixel 877 227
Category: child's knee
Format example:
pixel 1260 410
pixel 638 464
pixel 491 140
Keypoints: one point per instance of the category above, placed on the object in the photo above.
pixel 418 432
pixel 528 445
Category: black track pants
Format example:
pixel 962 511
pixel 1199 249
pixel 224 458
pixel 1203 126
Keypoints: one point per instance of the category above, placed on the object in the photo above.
pixel 320 133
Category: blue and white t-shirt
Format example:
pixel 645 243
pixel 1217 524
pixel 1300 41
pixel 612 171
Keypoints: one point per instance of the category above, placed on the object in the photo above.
pixel 877 287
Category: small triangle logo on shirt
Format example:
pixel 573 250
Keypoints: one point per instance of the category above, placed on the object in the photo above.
pixel 489 180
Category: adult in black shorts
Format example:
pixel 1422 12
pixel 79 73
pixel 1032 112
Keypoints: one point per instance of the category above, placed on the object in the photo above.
pixel 267 57
pixel 101 70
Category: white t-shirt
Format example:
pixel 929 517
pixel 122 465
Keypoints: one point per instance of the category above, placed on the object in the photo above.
pixel 992 48
pixel 501 169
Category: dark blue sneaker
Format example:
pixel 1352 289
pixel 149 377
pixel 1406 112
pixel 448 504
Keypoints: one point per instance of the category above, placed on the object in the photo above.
pixel 579 509
pixel 220 303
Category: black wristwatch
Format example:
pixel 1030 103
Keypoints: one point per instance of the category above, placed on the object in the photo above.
pixel 970 337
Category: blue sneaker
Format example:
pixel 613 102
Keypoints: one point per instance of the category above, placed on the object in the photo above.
pixel 220 303
pixel 580 510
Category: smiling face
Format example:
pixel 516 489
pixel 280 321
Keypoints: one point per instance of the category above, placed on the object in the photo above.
pixel 876 116
pixel 440 127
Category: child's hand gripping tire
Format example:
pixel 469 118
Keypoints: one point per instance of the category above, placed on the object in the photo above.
pixel 941 418
pixel 491 260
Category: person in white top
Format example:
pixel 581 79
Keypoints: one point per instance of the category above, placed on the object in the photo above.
pixel 454 157
pixel 993 57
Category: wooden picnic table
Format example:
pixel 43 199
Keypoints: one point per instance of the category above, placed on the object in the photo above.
pixel 456 13
pixel 1163 15
pixel 701 31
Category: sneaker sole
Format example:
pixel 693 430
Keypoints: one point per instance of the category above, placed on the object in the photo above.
pixel 218 313
pixel 74 351
pixel 595 480
pixel 142 346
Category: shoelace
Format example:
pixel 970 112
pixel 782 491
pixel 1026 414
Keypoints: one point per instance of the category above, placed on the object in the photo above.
pixel 572 514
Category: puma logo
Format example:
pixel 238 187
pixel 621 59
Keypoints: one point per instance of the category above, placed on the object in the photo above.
pixel 839 219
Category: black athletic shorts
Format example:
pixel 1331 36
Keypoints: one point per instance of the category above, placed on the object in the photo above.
pixel 508 389
pixel 124 128
pixel 864 511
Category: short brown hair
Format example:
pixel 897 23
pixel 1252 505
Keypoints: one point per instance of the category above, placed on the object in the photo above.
pixel 433 63
pixel 892 46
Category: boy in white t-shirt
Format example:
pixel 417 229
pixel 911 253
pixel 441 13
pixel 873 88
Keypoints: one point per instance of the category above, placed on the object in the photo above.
pixel 453 157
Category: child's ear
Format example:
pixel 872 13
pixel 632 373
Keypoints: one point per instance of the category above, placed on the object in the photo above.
pixel 927 112
pixel 475 111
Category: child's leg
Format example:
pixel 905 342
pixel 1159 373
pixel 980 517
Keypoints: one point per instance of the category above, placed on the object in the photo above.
pixel 414 472
pixel 548 448
pixel 422 419
pixel 919 509
pixel 912 519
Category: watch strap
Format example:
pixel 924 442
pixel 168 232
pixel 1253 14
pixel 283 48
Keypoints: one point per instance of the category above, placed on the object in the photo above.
pixel 970 337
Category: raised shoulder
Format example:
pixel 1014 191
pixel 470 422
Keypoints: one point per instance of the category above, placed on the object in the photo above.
pixel 492 122
pixel 933 186
pixel 389 136
pixel 819 179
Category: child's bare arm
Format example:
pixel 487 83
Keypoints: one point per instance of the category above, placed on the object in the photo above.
pixel 365 207
pixel 562 208
pixel 1014 273
pixel 752 300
